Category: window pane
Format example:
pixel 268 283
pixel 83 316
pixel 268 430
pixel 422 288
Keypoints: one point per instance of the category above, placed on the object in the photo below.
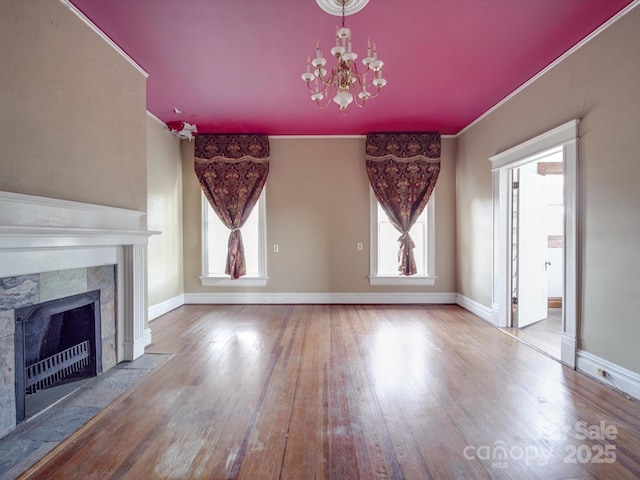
pixel 417 234
pixel 250 239
pixel 218 236
pixel 388 244
pixel 387 248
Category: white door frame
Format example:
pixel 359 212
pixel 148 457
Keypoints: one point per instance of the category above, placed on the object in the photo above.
pixel 566 137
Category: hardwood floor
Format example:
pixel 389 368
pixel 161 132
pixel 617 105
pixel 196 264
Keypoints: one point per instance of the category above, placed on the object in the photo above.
pixel 544 335
pixel 351 392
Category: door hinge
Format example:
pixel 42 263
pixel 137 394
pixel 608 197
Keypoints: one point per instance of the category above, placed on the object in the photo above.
pixel 516 185
pixel 514 300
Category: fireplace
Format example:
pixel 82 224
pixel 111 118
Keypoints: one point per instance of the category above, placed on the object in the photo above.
pixel 57 343
pixel 52 249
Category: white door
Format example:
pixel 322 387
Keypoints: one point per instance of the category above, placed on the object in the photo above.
pixel 532 248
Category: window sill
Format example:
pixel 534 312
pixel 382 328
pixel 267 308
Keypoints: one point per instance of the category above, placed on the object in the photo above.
pixel 226 281
pixel 402 281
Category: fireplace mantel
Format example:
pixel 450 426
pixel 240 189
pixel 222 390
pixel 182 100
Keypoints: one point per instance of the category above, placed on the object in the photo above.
pixel 39 234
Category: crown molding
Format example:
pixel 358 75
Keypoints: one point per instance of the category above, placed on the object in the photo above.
pixel 153 117
pixel 104 36
pixel 553 64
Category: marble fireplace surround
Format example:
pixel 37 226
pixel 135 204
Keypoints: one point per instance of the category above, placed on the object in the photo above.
pixel 40 235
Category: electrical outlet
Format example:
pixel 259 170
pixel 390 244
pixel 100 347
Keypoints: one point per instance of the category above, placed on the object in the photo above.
pixel 359 246
pixel 275 248
pixel 601 373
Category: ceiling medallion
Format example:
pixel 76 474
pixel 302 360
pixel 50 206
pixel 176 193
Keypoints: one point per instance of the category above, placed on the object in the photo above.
pixel 334 7
pixel 344 80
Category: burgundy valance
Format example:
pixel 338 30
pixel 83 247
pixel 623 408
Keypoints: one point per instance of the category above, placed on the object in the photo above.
pixel 232 170
pixel 407 146
pixel 232 147
pixel 403 169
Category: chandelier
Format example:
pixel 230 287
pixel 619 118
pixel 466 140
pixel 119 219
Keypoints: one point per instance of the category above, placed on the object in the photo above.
pixel 344 82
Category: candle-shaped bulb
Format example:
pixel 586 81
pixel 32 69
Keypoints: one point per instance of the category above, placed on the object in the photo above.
pixel 308 63
pixel 317 47
pixel 375 52
pixel 368 47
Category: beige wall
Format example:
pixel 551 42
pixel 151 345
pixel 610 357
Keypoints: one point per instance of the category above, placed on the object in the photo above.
pixel 164 213
pixel 317 210
pixel 599 84
pixel 73 110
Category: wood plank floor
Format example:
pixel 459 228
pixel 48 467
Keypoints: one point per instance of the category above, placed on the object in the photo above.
pixel 544 335
pixel 351 392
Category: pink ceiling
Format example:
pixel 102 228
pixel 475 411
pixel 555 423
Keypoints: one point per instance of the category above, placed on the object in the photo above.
pixel 233 66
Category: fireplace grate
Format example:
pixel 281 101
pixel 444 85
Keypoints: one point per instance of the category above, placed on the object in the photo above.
pixel 53 369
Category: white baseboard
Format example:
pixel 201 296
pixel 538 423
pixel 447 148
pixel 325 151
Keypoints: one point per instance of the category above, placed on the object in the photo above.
pixel 615 375
pixel 476 308
pixel 320 298
pixel 166 306
pixel 135 349
pixel 568 349
pixel 146 338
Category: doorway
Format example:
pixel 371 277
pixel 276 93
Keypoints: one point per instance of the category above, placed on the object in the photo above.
pixel 563 138
pixel 537 230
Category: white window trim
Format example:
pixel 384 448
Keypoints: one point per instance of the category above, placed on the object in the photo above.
pixel 222 280
pixel 427 279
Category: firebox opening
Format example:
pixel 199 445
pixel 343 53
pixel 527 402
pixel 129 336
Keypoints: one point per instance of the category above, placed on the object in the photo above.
pixel 58 344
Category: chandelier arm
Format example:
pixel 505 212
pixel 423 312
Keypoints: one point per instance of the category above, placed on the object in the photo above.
pixel 329 80
pixel 362 78
pixel 327 102
pixel 313 90
pixel 327 83
pixel 358 101
pixel 362 83
pixel 328 90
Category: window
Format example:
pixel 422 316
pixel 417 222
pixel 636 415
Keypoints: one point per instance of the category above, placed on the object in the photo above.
pixel 215 236
pixel 384 247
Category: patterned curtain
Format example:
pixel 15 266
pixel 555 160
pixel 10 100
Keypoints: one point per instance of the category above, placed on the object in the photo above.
pixel 232 170
pixel 403 169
